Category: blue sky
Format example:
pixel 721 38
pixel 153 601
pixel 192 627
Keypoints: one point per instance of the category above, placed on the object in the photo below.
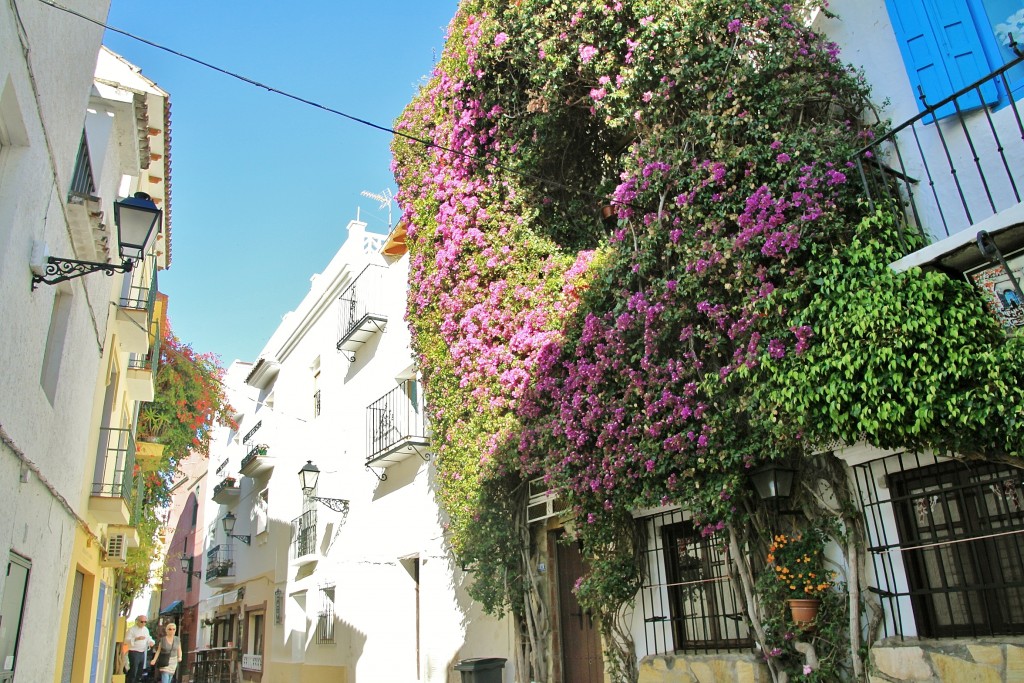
pixel 263 186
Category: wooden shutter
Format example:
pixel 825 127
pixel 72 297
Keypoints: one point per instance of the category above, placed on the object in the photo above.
pixel 942 51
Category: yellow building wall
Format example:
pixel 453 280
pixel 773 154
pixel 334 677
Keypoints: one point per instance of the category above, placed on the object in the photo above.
pixel 85 558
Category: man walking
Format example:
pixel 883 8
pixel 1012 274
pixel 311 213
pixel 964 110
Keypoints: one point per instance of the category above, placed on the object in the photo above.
pixel 138 639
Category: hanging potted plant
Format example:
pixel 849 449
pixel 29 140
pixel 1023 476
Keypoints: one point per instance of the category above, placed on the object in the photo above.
pixel 797 566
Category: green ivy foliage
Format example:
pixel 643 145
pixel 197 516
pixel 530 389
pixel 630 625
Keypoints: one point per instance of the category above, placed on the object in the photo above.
pixel 905 360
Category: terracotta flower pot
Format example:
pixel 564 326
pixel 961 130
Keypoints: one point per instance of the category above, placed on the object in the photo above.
pixel 804 611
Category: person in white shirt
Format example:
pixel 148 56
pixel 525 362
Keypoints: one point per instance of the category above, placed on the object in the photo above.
pixel 138 640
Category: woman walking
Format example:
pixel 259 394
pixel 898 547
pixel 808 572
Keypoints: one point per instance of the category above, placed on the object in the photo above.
pixel 168 653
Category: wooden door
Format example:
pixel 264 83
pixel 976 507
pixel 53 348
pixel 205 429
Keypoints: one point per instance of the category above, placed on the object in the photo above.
pixel 580 637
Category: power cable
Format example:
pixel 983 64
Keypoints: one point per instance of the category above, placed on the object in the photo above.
pixel 337 112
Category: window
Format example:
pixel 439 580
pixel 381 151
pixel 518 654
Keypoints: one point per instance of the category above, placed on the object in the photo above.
pixel 960 527
pixel 261 511
pixel 688 600
pixel 53 352
pixel 946 546
pixel 325 618
pixel 254 636
pixel 949 44
pixel 12 609
pixel 223 631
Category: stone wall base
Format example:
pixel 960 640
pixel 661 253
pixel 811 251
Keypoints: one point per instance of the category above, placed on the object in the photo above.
pixel 725 668
pixel 977 661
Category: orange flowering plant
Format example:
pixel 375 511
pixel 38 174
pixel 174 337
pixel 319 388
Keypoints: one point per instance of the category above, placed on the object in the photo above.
pixel 797 563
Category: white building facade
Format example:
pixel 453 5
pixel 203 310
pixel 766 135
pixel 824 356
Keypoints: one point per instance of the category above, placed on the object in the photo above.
pixel 354 580
pixel 75 136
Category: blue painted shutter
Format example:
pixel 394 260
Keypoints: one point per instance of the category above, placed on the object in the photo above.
pixel 96 635
pixel 942 51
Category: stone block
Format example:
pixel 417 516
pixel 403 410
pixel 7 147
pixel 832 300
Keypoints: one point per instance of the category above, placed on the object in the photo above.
pixel 901 663
pixel 955 669
pixel 1014 664
pixel 664 670
pixel 992 655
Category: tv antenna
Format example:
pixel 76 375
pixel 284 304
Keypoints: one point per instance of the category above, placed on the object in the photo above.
pixel 385 198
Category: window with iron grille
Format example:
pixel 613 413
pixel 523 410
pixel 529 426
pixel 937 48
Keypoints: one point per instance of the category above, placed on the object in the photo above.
pixel 687 599
pixel 947 544
pixel 325 618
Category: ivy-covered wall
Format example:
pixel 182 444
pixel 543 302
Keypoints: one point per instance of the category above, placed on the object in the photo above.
pixel 735 309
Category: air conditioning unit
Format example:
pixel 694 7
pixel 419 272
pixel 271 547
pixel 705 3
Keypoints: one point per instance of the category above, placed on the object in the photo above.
pixel 115 551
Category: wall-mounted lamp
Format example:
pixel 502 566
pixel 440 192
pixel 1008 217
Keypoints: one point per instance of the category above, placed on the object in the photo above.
pixel 229 527
pixel 307 477
pixel 186 565
pixel 773 482
pixel 136 219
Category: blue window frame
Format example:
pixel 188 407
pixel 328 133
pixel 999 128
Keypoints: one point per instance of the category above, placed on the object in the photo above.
pixel 949 44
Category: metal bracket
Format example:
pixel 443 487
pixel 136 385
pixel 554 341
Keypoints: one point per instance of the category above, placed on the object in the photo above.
pixel 62 269
pixel 383 476
pixel 424 456
pixel 336 504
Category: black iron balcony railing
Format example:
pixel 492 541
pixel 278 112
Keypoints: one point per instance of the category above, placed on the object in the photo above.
pixel 220 561
pixel 148 361
pixel 252 432
pixel 316 404
pixel 254 452
pixel 951 173
pixel 304 534
pixel 225 483
pixel 138 499
pixel 395 419
pixel 115 464
pixel 141 292
pixel 363 311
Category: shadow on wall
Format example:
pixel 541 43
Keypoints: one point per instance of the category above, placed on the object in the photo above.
pixel 399 475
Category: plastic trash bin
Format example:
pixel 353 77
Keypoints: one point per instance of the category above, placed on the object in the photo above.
pixel 481 669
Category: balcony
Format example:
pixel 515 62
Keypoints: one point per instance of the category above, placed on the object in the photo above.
pixel 396 427
pixel 304 547
pixel 220 565
pixel 112 497
pixel 957 175
pixel 85 211
pixel 226 491
pixel 136 307
pixel 142 367
pixel 252 662
pixel 362 310
pixel 257 461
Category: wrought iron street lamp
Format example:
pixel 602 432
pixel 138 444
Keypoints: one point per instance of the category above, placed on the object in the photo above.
pixel 186 565
pixel 308 476
pixel 136 219
pixel 229 527
pixel 773 482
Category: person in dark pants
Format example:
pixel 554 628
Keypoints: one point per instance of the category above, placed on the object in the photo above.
pixel 139 641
